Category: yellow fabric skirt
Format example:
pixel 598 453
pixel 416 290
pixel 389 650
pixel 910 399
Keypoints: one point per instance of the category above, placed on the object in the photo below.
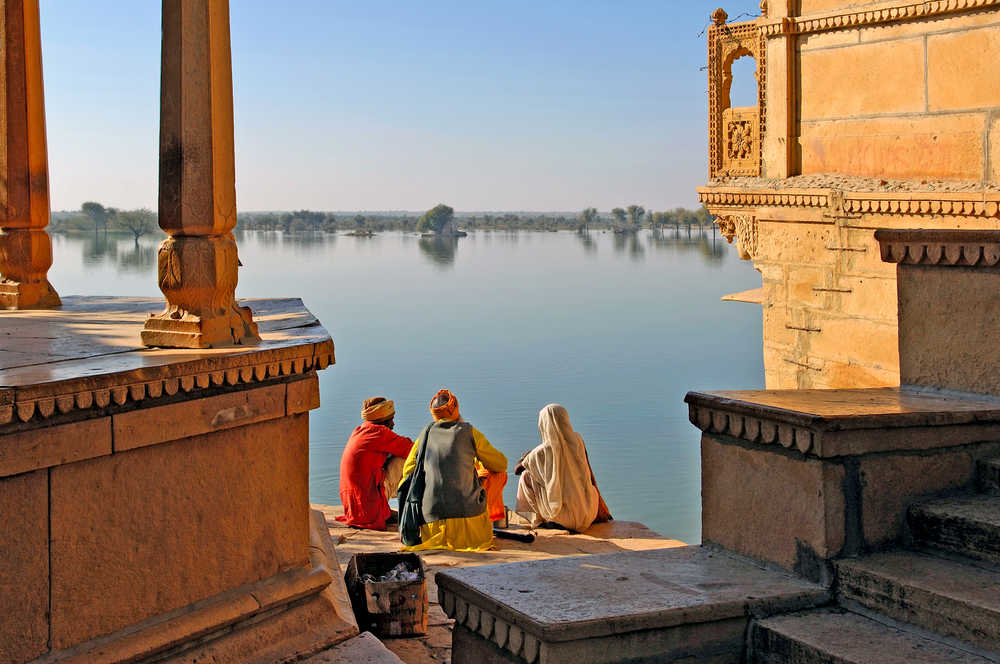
pixel 474 533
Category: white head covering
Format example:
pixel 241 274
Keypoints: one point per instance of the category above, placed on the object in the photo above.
pixel 561 488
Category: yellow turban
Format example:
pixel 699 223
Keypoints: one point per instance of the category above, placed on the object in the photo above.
pixel 376 412
pixel 448 411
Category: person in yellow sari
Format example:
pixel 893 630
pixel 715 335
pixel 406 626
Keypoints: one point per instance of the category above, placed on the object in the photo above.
pixel 464 478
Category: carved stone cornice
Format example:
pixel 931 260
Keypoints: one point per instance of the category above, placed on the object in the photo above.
pixel 739 197
pixel 505 635
pixel 832 423
pixel 743 228
pixel 839 19
pixel 133 388
pixel 970 204
pixel 942 248
pixel 926 203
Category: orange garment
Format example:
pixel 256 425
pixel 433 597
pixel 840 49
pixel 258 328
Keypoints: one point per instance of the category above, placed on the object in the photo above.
pixel 494 484
pixel 362 475
pixel 449 411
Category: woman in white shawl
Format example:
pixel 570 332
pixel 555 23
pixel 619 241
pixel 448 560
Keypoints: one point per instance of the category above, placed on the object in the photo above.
pixel 557 483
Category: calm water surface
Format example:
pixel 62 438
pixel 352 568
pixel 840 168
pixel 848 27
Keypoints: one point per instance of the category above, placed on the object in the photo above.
pixel 616 329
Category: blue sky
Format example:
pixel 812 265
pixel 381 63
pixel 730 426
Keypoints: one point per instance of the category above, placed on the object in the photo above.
pixel 346 105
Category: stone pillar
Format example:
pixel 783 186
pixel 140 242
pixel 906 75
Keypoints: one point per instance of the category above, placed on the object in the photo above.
pixel 197 263
pixel 25 246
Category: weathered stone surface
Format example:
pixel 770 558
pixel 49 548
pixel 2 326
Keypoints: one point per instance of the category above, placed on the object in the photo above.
pixel 648 590
pixel 52 446
pixel 943 596
pixel 946 320
pixel 988 475
pixel 839 637
pixel 159 527
pixel 150 426
pixel 24 567
pixel 947 147
pixel 854 81
pixel 891 482
pixel 771 506
pixel 362 649
pixel 968 52
pixel 303 395
pixel 967 526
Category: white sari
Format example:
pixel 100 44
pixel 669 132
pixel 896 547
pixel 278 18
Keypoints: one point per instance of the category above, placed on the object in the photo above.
pixel 556 483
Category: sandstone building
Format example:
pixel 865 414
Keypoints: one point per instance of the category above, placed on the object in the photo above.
pixel 869 115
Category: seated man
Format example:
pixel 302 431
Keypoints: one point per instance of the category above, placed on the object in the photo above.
pixel 372 461
pixel 463 483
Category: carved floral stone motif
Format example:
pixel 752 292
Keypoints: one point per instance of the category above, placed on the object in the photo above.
pixel 735 133
pixel 743 228
pixel 25 246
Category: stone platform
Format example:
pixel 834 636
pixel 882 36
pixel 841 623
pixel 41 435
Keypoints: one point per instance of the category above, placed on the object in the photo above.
pixel 435 647
pixel 127 475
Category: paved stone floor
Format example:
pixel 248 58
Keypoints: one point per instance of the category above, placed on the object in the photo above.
pixel 435 647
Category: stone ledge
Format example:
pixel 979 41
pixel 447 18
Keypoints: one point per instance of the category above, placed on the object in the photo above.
pixel 941 248
pixel 828 423
pixel 87 356
pixel 514 606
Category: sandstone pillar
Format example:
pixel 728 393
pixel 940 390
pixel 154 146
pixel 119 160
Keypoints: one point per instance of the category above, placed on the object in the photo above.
pixel 197 263
pixel 25 246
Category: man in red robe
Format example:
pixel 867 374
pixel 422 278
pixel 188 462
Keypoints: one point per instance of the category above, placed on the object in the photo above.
pixel 374 454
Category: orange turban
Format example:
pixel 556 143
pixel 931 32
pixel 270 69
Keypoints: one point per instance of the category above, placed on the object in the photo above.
pixel 449 411
pixel 376 412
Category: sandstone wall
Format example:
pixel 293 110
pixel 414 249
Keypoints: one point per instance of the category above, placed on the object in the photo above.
pixel 913 99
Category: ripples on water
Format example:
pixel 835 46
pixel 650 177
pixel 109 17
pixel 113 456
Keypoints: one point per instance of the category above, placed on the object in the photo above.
pixel 615 327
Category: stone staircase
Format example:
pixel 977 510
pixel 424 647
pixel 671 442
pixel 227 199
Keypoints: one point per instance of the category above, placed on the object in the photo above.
pixel 937 601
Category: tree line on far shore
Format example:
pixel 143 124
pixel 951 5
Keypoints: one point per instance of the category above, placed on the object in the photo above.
pixel 94 216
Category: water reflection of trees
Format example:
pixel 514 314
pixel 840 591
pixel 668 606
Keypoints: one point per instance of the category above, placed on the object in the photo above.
pixel 307 241
pixel 587 240
pixel 100 248
pixel 440 250
pixel 140 258
pixel 709 245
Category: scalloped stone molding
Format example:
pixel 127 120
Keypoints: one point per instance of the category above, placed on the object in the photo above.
pixel 120 395
pixel 942 248
pixel 504 635
pixel 752 429
pixel 862 16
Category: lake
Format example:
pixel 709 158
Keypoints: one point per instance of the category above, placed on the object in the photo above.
pixel 616 328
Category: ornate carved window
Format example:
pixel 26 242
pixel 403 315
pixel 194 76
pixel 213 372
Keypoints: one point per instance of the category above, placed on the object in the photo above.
pixel 735 133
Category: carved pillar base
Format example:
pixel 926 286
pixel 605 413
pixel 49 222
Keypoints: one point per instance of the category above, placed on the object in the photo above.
pixel 197 274
pixel 25 258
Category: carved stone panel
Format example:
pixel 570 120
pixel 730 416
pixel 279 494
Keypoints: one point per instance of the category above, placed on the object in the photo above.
pixel 735 134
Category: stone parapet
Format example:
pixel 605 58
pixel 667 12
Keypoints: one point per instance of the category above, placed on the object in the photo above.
pixel 802 477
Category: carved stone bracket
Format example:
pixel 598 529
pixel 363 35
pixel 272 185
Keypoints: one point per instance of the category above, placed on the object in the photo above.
pixel 743 228
pixel 735 134
pixel 943 248
pixel 504 635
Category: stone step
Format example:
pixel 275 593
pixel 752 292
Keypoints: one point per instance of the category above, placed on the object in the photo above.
pixel 687 603
pixel 362 649
pixel 944 596
pixel 968 526
pixel 831 636
pixel 988 473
